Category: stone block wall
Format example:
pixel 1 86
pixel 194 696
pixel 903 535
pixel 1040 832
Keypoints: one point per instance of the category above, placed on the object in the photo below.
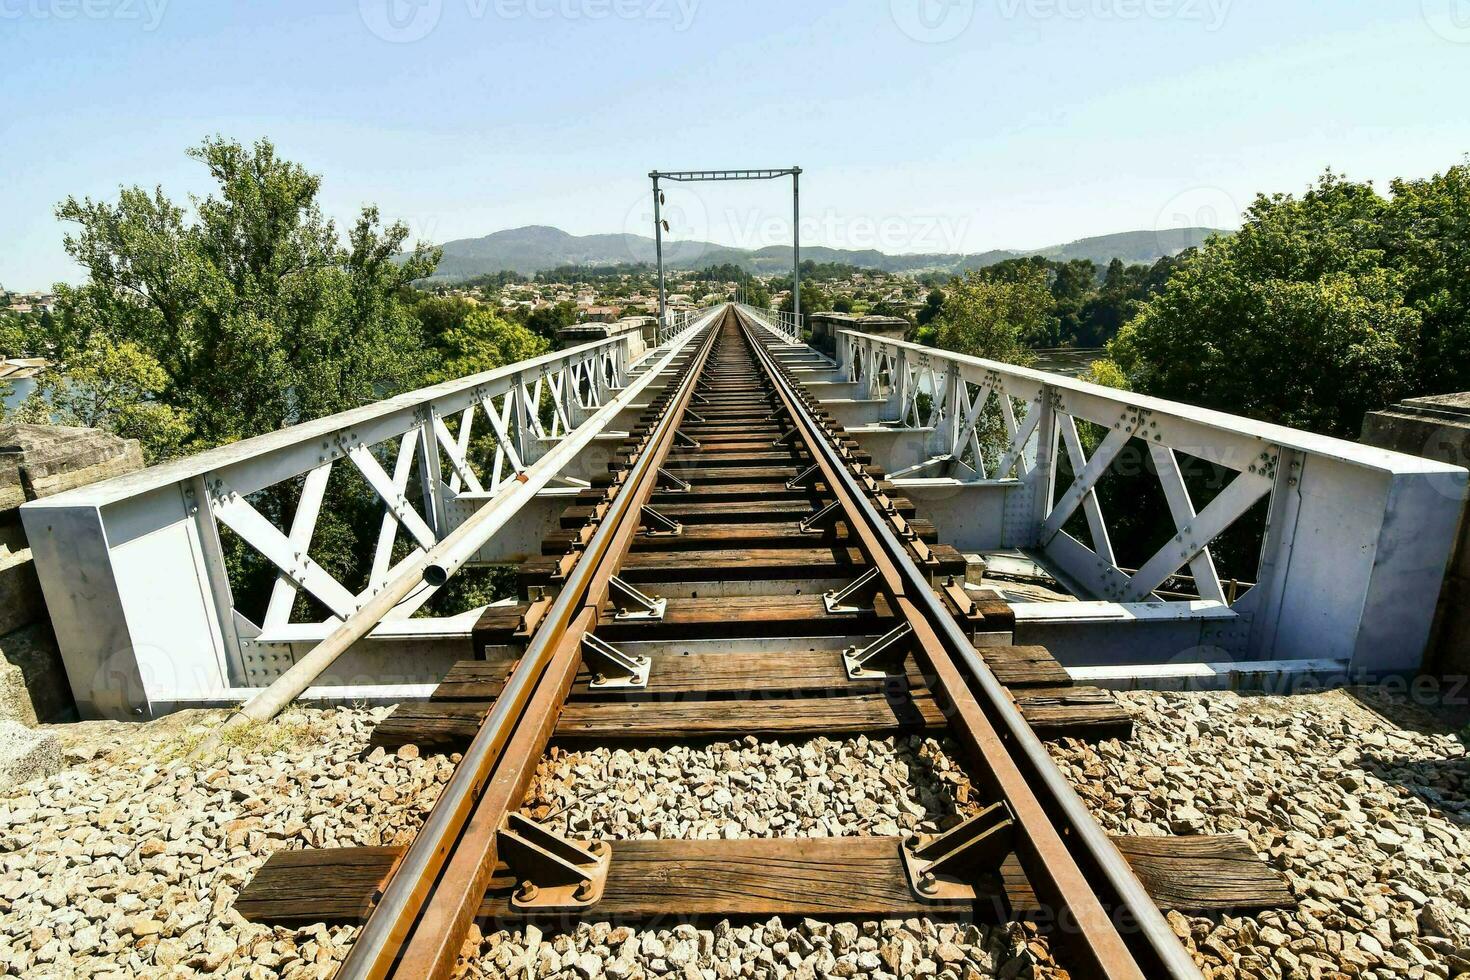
pixel 645 329
pixel 824 327
pixel 1437 427
pixel 37 461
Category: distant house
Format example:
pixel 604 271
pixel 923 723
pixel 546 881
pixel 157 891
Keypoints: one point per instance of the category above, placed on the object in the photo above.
pixel 602 314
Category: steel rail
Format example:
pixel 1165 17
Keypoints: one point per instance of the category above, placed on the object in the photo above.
pixel 1059 841
pixel 382 948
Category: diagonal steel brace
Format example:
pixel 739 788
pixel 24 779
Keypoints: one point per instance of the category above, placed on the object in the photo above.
pixel 945 868
pixel 671 483
pixel 657 525
pixel 611 667
pixel 860 590
pixel 553 872
pixel 818 521
pixel 643 607
pixel 875 659
pixel 796 481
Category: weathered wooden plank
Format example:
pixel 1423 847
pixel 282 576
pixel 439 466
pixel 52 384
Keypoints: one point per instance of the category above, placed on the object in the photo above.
pixel 757 509
pixel 1204 873
pixel 677 672
pixel 728 617
pixel 767 671
pixel 1074 712
pixel 335 884
pixel 768 534
pixel 443 726
pixel 819 877
pixel 718 695
pixel 871 714
pixel 1025 666
pixel 433 726
pixel 750 564
pixel 727 475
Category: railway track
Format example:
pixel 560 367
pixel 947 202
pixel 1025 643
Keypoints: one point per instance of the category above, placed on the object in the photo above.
pixel 742 570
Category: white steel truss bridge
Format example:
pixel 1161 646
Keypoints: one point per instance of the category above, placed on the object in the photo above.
pixel 1010 463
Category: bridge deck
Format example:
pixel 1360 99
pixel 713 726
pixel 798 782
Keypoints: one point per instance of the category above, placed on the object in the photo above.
pixel 744 645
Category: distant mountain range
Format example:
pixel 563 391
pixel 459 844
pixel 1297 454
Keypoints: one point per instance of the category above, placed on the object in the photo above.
pixel 535 248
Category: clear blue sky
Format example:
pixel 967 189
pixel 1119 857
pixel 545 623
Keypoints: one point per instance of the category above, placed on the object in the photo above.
pixel 921 124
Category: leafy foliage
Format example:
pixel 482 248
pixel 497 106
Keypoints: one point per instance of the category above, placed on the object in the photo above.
pixel 813 299
pixel 114 386
pixel 1304 317
pixel 1428 243
pixel 545 321
pixel 247 316
pixel 483 342
pixel 993 316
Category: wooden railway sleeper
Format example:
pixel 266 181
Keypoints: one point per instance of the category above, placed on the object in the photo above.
pixel 945 868
pixel 535 612
pixel 554 873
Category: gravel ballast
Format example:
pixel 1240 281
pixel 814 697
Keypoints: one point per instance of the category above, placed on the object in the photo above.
pixel 127 863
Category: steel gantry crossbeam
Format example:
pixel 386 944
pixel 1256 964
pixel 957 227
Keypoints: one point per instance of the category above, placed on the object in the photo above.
pixel 698 175
pixel 705 176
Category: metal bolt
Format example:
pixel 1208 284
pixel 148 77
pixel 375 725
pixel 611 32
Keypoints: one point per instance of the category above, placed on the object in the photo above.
pixel 583 892
pixel 928 884
pixel 527 892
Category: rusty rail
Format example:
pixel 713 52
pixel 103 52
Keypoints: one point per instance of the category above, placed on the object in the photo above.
pixel 419 922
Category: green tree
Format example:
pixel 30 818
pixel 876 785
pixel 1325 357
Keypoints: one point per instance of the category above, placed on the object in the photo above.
pixel 1428 243
pixel 813 299
pixel 1299 318
pixel 437 315
pixel 1072 284
pixel 1104 312
pixel 547 320
pixel 884 308
pixel 16 334
pixel 113 386
pixel 993 316
pixel 757 295
pixel 484 342
pixel 254 312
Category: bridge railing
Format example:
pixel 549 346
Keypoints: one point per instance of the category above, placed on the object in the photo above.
pixel 137 571
pixel 785 325
pixel 682 322
pixel 1355 540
